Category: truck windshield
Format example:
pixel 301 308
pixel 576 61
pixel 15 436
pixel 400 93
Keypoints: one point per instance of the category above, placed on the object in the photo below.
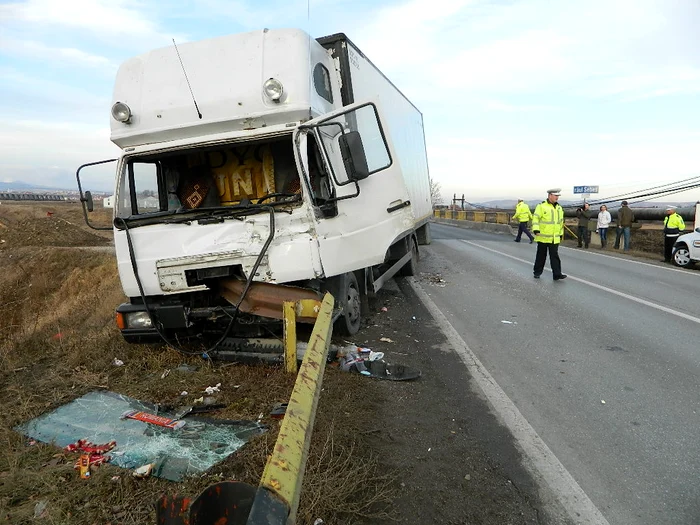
pixel 209 178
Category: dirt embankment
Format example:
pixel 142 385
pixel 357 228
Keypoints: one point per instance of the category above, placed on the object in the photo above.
pixel 56 224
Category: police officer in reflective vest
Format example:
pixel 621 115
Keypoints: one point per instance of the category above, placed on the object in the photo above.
pixel 548 227
pixel 523 216
pixel 673 226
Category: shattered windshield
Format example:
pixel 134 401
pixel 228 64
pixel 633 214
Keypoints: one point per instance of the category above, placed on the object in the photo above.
pixel 209 179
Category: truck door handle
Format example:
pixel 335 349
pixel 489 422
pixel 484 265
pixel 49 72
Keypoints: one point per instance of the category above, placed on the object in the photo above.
pixel 398 206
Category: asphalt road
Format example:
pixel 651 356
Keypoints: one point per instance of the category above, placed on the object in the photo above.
pixel 605 366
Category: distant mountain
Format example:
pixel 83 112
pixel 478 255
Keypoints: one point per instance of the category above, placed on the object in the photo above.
pixel 21 186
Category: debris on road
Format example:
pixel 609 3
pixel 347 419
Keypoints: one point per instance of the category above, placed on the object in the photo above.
pixel 386 340
pixel 40 509
pixel 117 362
pixel 212 389
pixel 144 471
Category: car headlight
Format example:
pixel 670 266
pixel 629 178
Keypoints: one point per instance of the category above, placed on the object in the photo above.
pixel 138 320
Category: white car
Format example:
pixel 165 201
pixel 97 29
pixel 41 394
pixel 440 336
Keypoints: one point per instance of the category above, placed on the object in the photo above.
pixel 686 250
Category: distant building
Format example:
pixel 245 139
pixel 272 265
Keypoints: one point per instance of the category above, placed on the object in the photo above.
pixel 108 202
pixel 148 202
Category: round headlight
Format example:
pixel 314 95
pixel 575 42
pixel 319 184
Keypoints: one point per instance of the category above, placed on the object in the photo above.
pixel 121 112
pixel 273 89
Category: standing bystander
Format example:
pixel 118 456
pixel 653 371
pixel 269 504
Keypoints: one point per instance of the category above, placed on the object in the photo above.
pixel 523 216
pixel 548 227
pixel 673 226
pixel 604 221
pixel 625 218
pixel 584 215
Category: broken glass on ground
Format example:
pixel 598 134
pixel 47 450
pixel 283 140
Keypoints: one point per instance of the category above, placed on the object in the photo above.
pixel 199 445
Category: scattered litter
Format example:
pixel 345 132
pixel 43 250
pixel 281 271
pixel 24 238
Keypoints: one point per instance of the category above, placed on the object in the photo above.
pixel 40 509
pixel 467 477
pixel 414 317
pixel 115 478
pixel 385 309
pixel 318 521
pixel 236 386
pixel 57 337
pixel 153 419
pixel 279 410
pixel 199 400
pixel 602 401
pixel 183 393
pixel 386 340
pixel 430 449
pixel 91 455
pixel 211 389
pixel 165 373
pixel 144 471
pixel 31 443
pixel 118 362
pixel 373 356
pixel 506 322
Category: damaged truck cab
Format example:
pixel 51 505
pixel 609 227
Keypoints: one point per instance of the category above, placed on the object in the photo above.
pixel 260 168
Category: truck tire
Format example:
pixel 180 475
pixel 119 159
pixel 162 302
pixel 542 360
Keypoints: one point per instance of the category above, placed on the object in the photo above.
pixel 411 267
pixel 350 299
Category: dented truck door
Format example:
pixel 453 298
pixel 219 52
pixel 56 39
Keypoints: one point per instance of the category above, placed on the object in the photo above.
pixel 373 208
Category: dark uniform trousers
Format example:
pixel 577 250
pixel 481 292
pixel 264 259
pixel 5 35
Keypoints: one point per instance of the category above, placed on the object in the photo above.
pixel 541 257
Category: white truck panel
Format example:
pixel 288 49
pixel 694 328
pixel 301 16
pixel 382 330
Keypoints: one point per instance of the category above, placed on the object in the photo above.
pixel 226 75
pixel 404 125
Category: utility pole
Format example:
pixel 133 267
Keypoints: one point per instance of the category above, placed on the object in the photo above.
pixel 455 199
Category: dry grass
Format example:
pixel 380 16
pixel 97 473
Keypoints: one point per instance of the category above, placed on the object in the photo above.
pixel 57 342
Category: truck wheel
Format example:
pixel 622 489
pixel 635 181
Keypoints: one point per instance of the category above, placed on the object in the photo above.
pixel 350 300
pixel 411 267
pixel 681 256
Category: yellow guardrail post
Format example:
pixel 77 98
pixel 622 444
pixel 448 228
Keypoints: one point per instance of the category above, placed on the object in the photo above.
pixel 480 216
pixel 277 498
pixel 290 337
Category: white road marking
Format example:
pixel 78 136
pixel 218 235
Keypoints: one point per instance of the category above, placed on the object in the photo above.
pixel 666 268
pixel 598 286
pixel 539 459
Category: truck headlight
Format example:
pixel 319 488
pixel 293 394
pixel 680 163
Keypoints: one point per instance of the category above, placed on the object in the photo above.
pixel 138 320
pixel 273 89
pixel 121 112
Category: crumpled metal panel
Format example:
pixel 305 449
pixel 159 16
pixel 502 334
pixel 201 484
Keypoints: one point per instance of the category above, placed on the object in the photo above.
pixel 265 299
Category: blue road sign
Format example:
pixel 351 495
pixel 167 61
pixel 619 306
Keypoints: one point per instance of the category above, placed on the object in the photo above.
pixel 585 189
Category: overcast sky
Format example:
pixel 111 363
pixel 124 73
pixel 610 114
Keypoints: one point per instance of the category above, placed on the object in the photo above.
pixel 517 95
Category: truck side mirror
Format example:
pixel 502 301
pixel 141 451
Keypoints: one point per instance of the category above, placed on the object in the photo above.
pixel 353 153
pixel 88 199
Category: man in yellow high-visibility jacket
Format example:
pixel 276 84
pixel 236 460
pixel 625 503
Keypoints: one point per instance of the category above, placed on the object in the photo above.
pixel 548 227
pixel 523 216
pixel 673 226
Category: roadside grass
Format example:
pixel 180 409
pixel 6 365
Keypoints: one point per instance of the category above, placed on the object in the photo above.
pixel 58 341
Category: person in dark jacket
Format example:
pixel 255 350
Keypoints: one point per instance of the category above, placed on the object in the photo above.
pixel 584 215
pixel 625 218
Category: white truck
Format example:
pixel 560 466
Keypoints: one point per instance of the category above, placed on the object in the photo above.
pixel 258 168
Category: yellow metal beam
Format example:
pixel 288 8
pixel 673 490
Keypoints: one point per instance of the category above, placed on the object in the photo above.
pixel 284 471
pixel 290 337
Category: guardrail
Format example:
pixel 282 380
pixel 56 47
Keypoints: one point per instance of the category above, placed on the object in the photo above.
pixel 496 217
